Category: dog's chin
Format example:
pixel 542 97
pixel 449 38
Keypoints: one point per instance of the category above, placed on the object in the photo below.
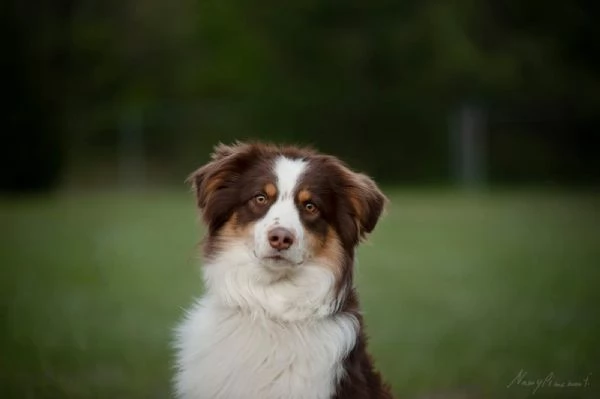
pixel 279 264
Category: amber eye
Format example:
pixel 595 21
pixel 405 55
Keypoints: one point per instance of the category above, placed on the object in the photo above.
pixel 310 207
pixel 260 199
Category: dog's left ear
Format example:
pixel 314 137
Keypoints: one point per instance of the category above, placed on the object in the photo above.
pixel 367 201
pixel 361 201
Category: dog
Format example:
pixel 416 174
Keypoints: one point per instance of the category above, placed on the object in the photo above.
pixel 279 317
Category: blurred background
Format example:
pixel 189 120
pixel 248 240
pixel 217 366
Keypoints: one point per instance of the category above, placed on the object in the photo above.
pixel 479 119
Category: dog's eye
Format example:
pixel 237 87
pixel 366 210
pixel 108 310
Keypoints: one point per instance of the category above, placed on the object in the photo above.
pixel 260 199
pixel 310 207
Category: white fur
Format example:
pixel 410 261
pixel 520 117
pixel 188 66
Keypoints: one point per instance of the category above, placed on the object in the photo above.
pixel 262 332
pixel 228 354
pixel 288 171
pixel 239 280
pixel 252 337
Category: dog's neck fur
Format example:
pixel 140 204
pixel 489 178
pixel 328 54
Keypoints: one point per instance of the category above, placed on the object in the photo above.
pixel 306 293
pixel 249 337
pixel 231 354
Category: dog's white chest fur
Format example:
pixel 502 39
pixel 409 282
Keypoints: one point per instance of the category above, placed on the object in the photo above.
pixel 226 353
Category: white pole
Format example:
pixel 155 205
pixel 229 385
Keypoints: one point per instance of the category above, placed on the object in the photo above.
pixel 468 142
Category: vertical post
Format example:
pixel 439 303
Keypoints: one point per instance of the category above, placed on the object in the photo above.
pixel 468 143
pixel 131 148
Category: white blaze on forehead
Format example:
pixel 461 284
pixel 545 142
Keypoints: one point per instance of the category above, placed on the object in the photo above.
pixel 288 172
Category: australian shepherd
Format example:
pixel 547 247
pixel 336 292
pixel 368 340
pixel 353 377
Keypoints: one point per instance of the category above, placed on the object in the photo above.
pixel 279 317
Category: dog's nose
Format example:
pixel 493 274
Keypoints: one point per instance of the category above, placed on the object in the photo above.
pixel 280 238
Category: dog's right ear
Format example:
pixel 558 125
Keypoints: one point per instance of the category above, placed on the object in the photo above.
pixel 221 150
pixel 212 181
pixel 196 180
pixel 205 180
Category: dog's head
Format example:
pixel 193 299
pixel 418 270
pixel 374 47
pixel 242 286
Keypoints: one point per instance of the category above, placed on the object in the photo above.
pixel 282 211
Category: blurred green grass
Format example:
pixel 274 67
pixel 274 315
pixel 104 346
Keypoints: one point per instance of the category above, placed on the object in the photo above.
pixel 459 291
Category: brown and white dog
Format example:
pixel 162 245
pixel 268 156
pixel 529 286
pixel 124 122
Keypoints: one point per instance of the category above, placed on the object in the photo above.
pixel 279 318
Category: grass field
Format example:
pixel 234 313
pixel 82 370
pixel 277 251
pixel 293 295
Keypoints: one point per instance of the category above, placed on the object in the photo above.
pixel 460 292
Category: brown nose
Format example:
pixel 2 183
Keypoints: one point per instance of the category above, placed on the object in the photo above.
pixel 280 238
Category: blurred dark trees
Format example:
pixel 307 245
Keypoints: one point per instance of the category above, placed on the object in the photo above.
pixel 374 82
pixel 32 71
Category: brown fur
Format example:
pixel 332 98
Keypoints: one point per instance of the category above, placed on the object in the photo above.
pixel 362 380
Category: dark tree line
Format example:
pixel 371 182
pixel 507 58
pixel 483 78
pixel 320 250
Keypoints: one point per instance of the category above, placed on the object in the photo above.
pixel 374 82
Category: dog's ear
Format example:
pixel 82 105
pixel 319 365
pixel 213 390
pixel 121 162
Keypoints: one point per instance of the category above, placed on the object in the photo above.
pixel 361 201
pixel 367 202
pixel 207 179
pixel 223 150
pixel 211 181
